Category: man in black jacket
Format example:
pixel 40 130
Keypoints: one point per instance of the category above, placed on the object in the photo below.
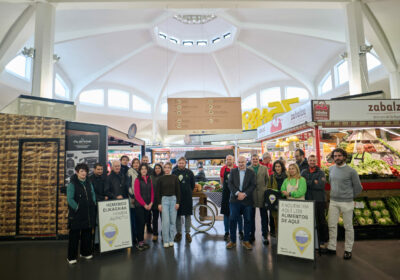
pixel 316 181
pixel 117 183
pixel 98 180
pixel 301 160
pixel 242 183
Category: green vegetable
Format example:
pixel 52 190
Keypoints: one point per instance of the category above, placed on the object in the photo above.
pixel 388 220
pixel 340 222
pixel 361 221
pixel 370 221
pixel 366 213
pixel 376 204
pixel 394 205
pixel 357 212
pixel 382 221
pixel 385 213
pixel 377 214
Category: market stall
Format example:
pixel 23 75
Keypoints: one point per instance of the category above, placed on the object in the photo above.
pixel 367 129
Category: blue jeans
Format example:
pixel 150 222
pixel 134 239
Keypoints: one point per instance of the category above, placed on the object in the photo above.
pixel 236 209
pixel 168 220
pixel 227 225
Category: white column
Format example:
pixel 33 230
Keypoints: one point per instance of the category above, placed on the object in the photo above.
pixel 394 79
pixel 154 131
pixel 358 71
pixel 43 69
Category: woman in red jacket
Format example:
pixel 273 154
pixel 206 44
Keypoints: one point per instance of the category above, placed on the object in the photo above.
pixel 144 198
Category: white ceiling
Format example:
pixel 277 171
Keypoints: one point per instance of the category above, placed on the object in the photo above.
pixel 273 42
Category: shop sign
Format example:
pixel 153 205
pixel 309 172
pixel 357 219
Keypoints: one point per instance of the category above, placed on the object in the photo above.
pixel 204 115
pixel 362 110
pixel 114 225
pixel 256 117
pixel 296 234
pixel 293 118
pixel 321 111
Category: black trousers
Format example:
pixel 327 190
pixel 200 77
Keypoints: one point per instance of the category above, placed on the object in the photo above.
pixel 141 218
pixel 271 223
pixel 322 225
pixel 264 221
pixel 156 214
pixel 85 238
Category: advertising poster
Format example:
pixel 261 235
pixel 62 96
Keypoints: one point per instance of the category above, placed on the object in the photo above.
pixel 114 225
pixel 296 229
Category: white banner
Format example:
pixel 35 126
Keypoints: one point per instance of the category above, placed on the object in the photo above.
pixel 290 119
pixel 296 229
pixel 114 225
pixel 357 110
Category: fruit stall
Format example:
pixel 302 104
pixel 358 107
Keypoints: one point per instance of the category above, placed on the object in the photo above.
pixel 369 130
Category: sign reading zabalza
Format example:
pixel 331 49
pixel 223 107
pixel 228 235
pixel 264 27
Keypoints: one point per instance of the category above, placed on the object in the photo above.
pixel 296 229
pixel 114 225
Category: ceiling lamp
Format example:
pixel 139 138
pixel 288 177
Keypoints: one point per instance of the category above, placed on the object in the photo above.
pixel 187 43
pixel 227 35
pixel 162 35
pixel 173 40
pixel 216 40
pixel 194 19
pixel 202 43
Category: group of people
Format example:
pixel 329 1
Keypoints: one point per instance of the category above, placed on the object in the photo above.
pixel 163 191
pixel 168 191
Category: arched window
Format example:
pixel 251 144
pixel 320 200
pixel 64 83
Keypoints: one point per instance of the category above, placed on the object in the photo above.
pixel 60 88
pixel 270 95
pixel 372 61
pixel 92 97
pixel 140 105
pixel 20 66
pixel 249 103
pixel 342 72
pixel 326 84
pixel 164 108
pixel 293 92
pixel 118 99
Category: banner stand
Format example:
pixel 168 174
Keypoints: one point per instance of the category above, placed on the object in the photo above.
pixel 297 232
pixel 114 225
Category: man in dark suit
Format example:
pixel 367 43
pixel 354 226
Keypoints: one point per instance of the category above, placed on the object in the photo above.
pixel 242 183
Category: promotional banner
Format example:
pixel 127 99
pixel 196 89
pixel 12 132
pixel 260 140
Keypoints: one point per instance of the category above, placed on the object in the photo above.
pixel 114 225
pixel 295 117
pixel 296 229
pixel 356 110
pixel 204 115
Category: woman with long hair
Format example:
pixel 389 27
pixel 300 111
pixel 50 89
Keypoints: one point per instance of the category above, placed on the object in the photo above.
pixel 168 199
pixel 157 174
pixel 294 186
pixel 133 173
pixel 144 199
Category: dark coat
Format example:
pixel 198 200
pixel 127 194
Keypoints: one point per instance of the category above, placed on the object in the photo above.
pixel 249 185
pixel 117 184
pixel 200 176
pixel 154 179
pixel 303 166
pixel 315 191
pixel 99 185
pixel 85 215
pixel 186 180
pixel 226 194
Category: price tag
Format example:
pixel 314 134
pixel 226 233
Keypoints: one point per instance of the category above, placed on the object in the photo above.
pixel 359 205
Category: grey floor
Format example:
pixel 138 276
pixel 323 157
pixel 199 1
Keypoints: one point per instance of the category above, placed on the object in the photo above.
pixel 206 257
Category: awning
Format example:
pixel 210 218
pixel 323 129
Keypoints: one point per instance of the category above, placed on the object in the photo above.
pixel 208 154
pixel 116 137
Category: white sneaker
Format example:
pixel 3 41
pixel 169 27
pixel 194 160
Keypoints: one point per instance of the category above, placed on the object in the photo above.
pixel 71 261
pixel 171 244
pixel 166 245
pixel 87 257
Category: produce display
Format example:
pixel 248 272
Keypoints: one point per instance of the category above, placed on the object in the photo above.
pixel 372 169
pixel 394 206
pixel 211 186
pixel 393 150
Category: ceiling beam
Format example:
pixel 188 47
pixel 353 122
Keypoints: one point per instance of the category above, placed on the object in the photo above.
pixel 63 37
pixel 19 33
pixel 313 33
pixel 379 40
pixel 164 83
pixel 221 74
pixel 108 68
pixel 282 67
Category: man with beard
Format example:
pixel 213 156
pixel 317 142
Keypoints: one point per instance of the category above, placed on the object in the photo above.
pixel 301 160
pixel 186 180
pixel 345 186
pixel 117 183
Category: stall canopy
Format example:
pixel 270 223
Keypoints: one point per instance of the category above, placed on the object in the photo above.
pixel 119 138
pixel 208 154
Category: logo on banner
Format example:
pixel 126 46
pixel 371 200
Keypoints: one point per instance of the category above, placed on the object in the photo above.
pixel 302 238
pixel 180 177
pixel 110 233
pixel 276 125
pixel 272 198
pixel 321 111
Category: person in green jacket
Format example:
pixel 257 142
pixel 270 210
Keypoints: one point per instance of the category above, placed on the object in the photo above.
pixel 361 156
pixel 294 186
